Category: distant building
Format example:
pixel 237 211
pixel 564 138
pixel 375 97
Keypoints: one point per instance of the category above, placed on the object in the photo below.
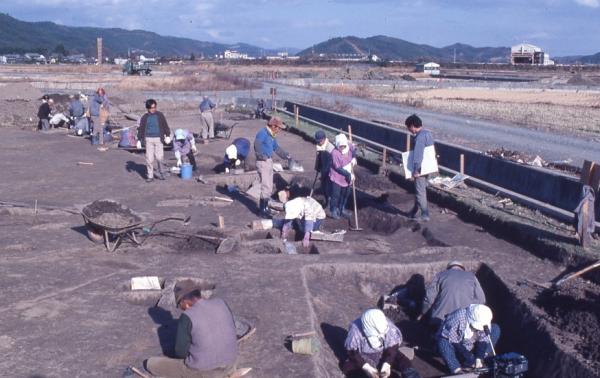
pixel 232 54
pixel 35 58
pixel 13 59
pixel 525 53
pixel 431 68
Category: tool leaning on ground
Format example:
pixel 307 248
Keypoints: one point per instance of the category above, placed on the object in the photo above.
pixel 355 228
pixel 555 285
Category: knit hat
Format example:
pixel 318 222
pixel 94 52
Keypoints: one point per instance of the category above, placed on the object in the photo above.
pixel 320 136
pixel 454 263
pixel 479 316
pixel 183 288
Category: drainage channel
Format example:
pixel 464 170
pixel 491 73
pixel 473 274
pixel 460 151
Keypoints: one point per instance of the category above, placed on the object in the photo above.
pixel 339 293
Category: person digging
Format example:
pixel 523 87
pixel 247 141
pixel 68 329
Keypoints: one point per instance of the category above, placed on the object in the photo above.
pixel 236 154
pixel 206 344
pixel 184 144
pixel 306 213
pixel 372 345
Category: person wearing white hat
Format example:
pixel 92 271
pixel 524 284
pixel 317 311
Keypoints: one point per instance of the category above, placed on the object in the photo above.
pixel 306 212
pixel 184 144
pixel 450 290
pixel 341 176
pixel 372 345
pixel 236 154
pixel 465 336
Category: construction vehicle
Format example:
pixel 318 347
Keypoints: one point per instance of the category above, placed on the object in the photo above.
pixel 139 68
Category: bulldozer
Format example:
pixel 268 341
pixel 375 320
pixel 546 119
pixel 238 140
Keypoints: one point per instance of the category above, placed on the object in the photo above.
pixel 139 68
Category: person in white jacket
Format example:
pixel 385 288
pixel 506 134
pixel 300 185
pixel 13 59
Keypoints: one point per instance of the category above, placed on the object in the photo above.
pixel 306 212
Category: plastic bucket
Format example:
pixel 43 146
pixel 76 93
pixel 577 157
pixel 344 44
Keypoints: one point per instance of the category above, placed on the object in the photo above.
pixel 186 172
pixel 124 142
pixel 95 138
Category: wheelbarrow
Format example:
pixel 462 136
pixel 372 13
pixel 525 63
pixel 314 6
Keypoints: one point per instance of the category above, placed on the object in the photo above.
pixel 110 222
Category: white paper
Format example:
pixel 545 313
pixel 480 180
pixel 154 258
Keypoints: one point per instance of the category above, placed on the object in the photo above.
pixel 145 283
pixel 429 164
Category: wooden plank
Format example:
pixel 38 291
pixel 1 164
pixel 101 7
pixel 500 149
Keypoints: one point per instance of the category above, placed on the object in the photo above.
pixel 595 180
pixel 586 172
pixel 585 238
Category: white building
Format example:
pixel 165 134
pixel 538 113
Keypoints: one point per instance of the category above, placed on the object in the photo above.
pixel 529 54
pixel 232 54
pixel 431 68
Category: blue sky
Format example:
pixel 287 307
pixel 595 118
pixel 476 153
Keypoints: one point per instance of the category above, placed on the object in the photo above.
pixel 561 27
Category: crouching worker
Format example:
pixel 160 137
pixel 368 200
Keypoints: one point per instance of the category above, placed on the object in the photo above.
pixel 372 345
pixel 185 144
pixel 236 154
pixel 206 343
pixel 306 212
pixel 464 338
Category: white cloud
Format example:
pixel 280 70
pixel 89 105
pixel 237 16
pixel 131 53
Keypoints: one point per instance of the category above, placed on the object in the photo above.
pixel 589 3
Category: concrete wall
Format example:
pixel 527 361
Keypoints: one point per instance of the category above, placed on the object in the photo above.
pixel 543 185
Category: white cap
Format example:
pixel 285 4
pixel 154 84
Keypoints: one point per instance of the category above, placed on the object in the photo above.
pixel 179 134
pixel 231 152
pixel 479 316
pixel 341 140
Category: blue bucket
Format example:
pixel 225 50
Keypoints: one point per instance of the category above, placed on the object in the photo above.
pixel 186 171
pixel 95 138
pixel 124 142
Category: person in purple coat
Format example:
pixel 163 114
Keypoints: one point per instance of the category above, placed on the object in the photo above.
pixel 341 176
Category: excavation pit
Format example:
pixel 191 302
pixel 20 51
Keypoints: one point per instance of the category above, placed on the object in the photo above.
pixel 339 293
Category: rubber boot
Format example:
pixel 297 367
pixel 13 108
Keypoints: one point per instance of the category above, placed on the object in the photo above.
pixel 264 209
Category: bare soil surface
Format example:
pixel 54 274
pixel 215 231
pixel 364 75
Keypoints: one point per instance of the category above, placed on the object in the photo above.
pixel 64 300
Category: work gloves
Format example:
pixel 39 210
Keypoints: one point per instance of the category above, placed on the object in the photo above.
pixel 178 162
pixel 138 145
pixel 167 139
pixel 386 370
pixel 348 177
pixel 194 149
pixel 370 371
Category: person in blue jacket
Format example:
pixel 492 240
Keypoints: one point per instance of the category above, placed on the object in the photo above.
pixel 236 154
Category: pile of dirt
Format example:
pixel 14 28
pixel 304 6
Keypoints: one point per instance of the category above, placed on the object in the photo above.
pixel 111 214
pixel 575 308
pixel 523 158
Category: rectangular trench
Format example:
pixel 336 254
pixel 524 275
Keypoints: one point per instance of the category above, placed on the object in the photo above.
pixel 339 293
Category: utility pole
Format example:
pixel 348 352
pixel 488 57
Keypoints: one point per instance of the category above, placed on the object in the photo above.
pixel 99 48
pixel 455 55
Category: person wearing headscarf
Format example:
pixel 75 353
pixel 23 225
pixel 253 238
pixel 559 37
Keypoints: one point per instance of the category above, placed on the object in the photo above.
pixel 464 338
pixel 236 154
pixel 372 345
pixel 341 176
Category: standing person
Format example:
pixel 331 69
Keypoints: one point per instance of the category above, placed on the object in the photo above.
pixel 341 176
pixel 154 131
pixel 185 144
pixel 463 338
pixel 323 162
pixel 423 138
pixel 99 112
pixel 450 290
pixel 373 344
pixel 236 154
pixel 205 343
pixel 44 114
pixel 208 122
pixel 265 145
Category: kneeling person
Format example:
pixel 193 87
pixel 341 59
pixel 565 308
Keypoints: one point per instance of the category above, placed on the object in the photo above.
pixel 464 336
pixel 185 144
pixel 373 344
pixel 236 154
pixel 307 212
pixel 206 343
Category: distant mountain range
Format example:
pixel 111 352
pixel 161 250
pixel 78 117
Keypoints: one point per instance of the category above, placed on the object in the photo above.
pixel 47 37
pixel 397 49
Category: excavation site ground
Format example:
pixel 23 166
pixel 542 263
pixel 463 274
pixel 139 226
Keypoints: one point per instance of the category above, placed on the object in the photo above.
pixel 67 305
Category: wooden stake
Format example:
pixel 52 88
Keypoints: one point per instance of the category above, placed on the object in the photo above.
pixel 221 221
pixel 586 172
pixel 384 161
pixel 297 114
pixel 462 164
pixel 407 142
pixel 585 238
